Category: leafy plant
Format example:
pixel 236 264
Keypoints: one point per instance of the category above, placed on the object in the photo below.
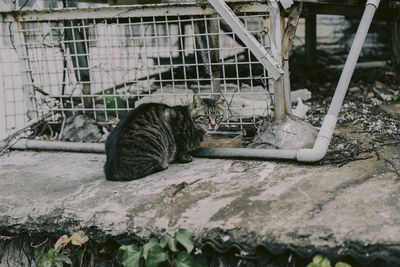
pixel 62 255
pixel 112 100
pixel 173 251
pixel 321 261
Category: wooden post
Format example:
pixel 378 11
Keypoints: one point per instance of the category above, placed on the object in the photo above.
pixel 277 28
pixel 287 42
pixel 396 42
pixel 311 38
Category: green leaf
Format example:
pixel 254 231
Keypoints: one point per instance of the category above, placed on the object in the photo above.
pixel 163 242
pixel 148 246
pixel 342 264
pixel 50 253
pixel 185 238
pixel 129 256
pixel 61 258
pixel 184 259
pixel 318 259
pixel 45 262
pixel 170 241
pixel 395 97
pixel 113 101
pixel 156 255
pixel 325 263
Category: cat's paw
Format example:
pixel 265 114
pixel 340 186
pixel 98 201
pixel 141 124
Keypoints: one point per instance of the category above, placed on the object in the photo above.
pixel 184 158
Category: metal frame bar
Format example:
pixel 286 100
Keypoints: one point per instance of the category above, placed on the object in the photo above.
pixel 112 12
pixel 255 47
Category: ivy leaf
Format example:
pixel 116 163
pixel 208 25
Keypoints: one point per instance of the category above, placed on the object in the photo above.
pixel 184 259
pixel 170 241
pixel 146 247
pixel 185 238
pixel 325 263
pixel 342 264
pixel 163 242
pixel 61 258
pixel 45 262
pixel 129 256
pixel 156 255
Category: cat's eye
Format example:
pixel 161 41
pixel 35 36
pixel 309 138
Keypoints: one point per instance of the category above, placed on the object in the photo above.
pixel 202 120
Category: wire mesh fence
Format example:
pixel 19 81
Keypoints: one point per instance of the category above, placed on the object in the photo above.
pixel 102 62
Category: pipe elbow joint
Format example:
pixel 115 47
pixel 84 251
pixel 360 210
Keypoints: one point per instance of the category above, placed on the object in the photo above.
pixel 311 154
pixel 321 144
pixel 317 152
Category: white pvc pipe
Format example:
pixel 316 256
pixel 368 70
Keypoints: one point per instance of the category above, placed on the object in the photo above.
pixel 324 136
pixel 27 144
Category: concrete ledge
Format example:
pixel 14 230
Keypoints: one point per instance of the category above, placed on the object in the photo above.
pixel 349 211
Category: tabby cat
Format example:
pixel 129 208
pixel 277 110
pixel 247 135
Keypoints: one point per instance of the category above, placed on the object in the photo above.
pixel 153 135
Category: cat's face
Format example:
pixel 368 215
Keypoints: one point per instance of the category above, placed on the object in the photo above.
pixel 208 113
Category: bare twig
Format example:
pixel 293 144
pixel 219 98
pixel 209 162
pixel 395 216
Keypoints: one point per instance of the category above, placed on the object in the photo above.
pixel 40 244
pixel 4 237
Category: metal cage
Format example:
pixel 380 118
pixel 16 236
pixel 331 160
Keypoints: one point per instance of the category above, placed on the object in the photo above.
pixel 104 61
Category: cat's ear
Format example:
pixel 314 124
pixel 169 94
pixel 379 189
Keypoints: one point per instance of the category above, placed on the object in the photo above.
pixel 197 101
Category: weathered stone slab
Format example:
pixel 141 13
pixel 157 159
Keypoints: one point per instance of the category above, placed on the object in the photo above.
pixel 353 210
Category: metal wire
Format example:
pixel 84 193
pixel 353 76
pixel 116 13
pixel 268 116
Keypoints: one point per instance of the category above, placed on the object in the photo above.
pixel 104 67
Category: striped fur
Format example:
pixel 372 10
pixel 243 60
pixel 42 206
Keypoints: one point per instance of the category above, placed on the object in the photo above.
pixel 150 137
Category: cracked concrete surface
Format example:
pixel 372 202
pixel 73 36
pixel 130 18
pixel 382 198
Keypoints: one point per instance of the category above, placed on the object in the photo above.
pixel 353 210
